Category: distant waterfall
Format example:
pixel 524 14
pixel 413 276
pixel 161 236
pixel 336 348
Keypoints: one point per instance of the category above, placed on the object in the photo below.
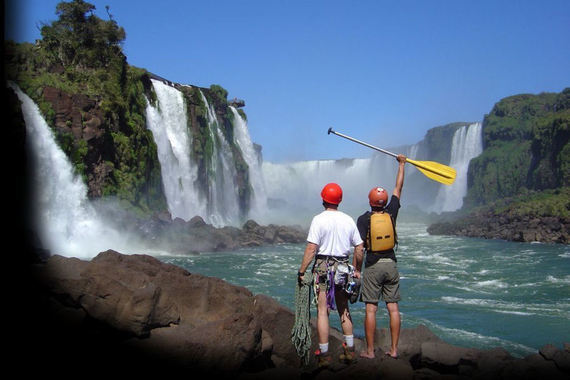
pixel 293 190
pixel 168 123
pixel 66 222
pixel 467 144
pixel 258 207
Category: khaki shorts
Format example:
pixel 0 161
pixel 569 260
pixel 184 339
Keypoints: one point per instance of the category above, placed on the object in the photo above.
pixel 380 280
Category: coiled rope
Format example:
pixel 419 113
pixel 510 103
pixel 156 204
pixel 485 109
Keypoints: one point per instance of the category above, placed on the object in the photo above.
pixel 301 332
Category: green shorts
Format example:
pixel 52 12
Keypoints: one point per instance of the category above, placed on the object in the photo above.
pixel 380 280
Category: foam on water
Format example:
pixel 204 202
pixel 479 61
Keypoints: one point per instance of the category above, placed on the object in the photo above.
pixel 491 283
pixel 512 312
pixel 484 340
pixel 564 280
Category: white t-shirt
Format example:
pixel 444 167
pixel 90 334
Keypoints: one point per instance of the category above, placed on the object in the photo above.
pixel 334 232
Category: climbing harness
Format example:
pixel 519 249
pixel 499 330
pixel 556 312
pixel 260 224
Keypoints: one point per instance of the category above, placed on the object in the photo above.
pixel 301 332
pixel 338 274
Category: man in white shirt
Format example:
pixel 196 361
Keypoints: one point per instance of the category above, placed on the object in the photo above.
pixel 332 235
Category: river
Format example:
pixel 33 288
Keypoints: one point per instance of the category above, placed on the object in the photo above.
pixel 470 292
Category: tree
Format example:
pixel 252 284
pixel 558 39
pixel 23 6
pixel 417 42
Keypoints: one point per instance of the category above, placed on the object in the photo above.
pixel 80 38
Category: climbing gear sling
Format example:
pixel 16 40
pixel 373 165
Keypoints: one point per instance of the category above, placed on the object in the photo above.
pixel 301 332
pixel 333 273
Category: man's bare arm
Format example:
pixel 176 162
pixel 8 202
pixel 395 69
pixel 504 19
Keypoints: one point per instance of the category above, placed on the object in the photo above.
pixel 308 256
pixel 358 258
pixel 400 176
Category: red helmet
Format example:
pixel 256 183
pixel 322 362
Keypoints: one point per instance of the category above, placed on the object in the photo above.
pixel 378 197
pixel 332 193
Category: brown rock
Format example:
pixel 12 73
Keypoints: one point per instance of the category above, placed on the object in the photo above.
pixel 198 321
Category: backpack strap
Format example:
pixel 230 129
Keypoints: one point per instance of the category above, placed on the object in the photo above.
pixel 395 233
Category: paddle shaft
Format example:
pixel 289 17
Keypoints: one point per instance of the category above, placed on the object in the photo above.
pixel 433 170
pixel 362 143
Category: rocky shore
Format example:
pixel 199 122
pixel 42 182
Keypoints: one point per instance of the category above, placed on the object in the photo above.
pixel 135 315
pixel 488 225
pixel 179 236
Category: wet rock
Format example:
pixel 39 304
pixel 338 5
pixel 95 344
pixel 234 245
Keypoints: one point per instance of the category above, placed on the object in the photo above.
pixel 445 358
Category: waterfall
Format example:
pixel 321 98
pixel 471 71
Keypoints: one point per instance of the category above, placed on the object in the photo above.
pixel 467 144
pixel 66 222
pixel 168 124
pixel 258 204
pixel 293 189
pixel 223 202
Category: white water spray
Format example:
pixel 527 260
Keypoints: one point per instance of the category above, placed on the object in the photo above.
pixel 220 206
pixel 66 222
pixel 224 198
pixel 258 206
pixel 467 144
pixel 168 123
pixel 294 189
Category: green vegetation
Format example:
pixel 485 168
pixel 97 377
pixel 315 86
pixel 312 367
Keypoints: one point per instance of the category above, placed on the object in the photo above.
pixel 217 96
pixel 525 139
pixel 554 202
pixel 81 40
pixel 80 57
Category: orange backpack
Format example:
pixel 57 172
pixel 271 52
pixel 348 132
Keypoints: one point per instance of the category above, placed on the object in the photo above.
pixel 381 234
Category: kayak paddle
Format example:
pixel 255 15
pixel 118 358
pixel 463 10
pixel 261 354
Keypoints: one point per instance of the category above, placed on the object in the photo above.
pixel 433 170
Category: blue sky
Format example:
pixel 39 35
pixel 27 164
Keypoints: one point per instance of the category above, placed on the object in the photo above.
pixel 381 71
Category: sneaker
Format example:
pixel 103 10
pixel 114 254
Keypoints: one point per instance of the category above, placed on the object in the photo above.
pixel 348 354
pixel 324 359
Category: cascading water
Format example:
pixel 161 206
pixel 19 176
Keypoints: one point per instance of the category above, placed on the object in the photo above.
pixel 467 144
pixel 168 123
pixel 66 222
pixel 258 206
pixel 223 202
pixel 294 189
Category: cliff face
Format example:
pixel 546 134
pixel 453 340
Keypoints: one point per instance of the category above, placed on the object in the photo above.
pixel 525 147
pixel 99 120
pixel 518 188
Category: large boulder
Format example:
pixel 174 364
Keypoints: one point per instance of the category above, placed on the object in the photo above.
pixel 197 322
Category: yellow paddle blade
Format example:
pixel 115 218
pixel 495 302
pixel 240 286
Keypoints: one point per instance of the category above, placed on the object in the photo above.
pixel 436 171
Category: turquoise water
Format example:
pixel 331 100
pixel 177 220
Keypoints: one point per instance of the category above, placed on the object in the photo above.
pixel 470 292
